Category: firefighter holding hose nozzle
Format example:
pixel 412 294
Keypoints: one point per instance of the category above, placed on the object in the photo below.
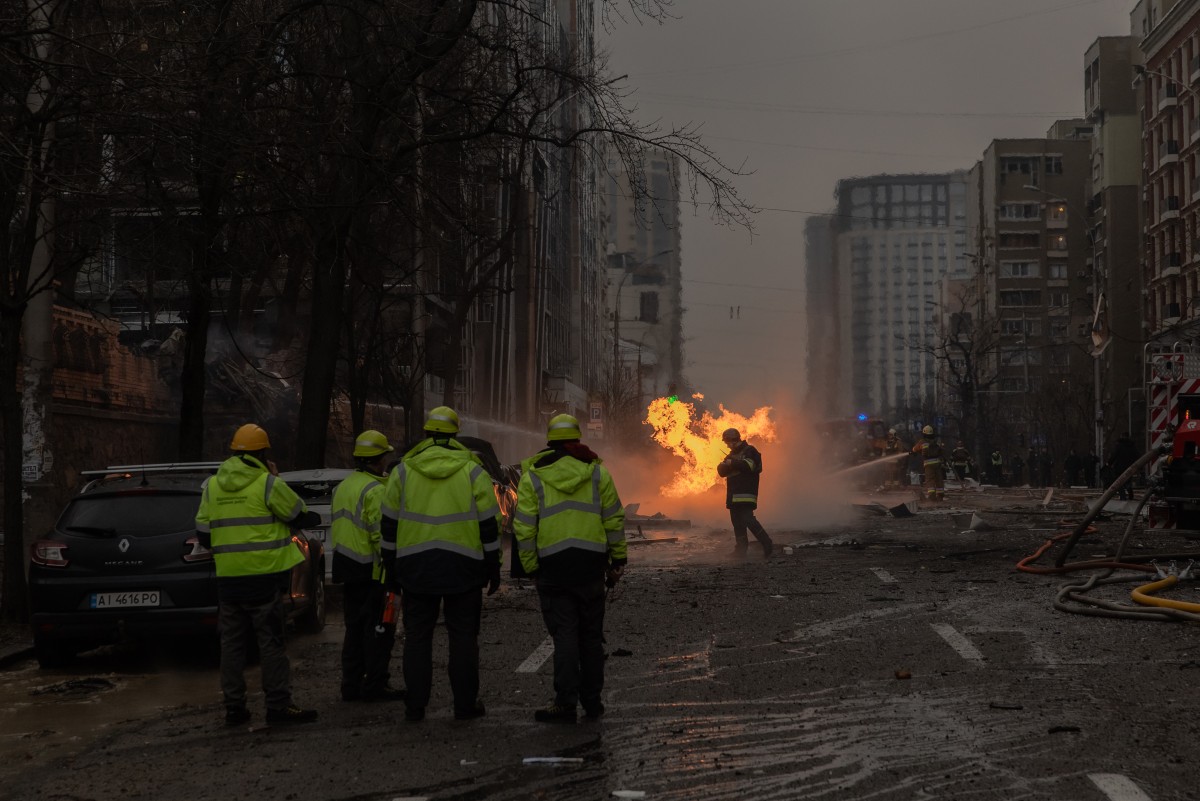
pixel 931 452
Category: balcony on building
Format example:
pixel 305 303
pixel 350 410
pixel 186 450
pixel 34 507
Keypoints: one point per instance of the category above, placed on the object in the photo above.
pixel 1168 97
pixel 1170 209
pixel 1194 71
pixel 1171 264
pixel 1170 314
pixel 1056 246
pixel 1168 153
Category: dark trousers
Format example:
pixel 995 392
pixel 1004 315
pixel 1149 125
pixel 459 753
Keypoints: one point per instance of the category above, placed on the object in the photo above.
pixel 575 619
pixel 462 613
pixel 366 651
pixel 238 621
pixel 742 517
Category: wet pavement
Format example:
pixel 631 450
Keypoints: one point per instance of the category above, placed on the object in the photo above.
pixel 886 658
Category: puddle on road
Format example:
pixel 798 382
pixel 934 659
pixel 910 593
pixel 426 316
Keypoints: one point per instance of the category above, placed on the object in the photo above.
pixel 46 715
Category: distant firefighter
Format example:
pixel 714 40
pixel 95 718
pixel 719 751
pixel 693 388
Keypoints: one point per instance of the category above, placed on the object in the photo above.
pixel 931 452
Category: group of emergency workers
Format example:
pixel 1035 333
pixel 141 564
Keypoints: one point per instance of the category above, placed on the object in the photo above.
pixel 425 531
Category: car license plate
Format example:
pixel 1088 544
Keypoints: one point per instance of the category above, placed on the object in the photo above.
pixel 124 600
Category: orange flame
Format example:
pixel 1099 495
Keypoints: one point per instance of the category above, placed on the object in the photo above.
pixel 698 442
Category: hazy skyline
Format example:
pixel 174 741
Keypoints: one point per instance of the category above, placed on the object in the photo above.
pixel 806 93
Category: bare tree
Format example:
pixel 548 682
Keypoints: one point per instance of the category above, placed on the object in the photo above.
pixel 965 344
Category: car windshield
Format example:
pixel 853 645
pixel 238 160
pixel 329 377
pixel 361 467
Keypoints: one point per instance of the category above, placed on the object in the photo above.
pixel 140 514
pixel 316 491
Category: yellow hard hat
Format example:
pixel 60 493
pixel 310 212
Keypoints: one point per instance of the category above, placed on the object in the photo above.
pixel 562 427
pixel 442 420
pixel 371 443
pixel 250 437
pixel 927 431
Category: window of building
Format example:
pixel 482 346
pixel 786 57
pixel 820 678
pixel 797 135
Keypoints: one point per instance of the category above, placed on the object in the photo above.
pixel 1020 211
pixel 1054 165
pixel 1019 269
pixel 1059 300
pixel 1017 298
pixel 1021 327
pixel 648 307
pixel 1023 239
pixel 1059 326
pixel 1056 270
pixel 1057 242
pixel 1056 212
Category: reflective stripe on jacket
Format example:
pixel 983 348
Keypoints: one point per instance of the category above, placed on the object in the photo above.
pixel 741 478
pixel 245 510
pixel 930 451
pixel 354 527
pixel 569 524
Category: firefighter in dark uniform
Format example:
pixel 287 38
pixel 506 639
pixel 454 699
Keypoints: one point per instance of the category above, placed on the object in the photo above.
pixel 354 538
pixel 741 469
pixel 960 458
pixel 570 532
pixel 932 456
pixel 440 515
pixel 893 446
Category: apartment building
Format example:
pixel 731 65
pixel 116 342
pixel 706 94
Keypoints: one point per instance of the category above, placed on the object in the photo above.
pixel 1111 106
pixel 828 394
pixel 1034 257
pixel 895 237
pixel 1170 117
pixel 645 282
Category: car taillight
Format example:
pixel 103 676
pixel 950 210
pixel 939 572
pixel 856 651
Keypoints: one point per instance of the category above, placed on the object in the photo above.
pixel 196 552
pixel 48 553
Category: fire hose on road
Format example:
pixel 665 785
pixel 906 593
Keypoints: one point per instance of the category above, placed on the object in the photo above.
pixel 1112 490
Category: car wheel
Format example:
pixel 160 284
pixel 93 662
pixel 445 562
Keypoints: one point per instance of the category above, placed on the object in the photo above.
pixel 52 653
pixel 312 619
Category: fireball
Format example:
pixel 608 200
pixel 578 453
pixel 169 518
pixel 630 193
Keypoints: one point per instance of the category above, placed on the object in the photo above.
pixel 698 441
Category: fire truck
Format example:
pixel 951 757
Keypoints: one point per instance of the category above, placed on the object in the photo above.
pixel 1173 421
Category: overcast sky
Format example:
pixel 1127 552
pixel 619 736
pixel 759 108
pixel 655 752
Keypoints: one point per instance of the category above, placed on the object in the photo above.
pixel 805 92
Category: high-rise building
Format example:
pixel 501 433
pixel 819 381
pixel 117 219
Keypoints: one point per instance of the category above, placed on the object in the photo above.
pixel 1034 256
pixel 894 239
pixel 1111 108
pixel 645 282
pixel 823 374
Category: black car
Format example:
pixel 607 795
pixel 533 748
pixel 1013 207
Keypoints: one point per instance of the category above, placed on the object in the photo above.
pixel 123 559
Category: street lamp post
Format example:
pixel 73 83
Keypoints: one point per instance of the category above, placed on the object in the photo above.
pixel 1098 410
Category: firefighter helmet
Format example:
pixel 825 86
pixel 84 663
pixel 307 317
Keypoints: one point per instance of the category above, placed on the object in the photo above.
pixel 371 443
pixel 562 427
pixel 442 420
pixel 730 435
pixel 927 431
pixel 250 438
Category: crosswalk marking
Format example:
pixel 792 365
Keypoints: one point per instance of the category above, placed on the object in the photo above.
pixel 884 576
pixel 1118 787
pixel 537 658
pixel 958 642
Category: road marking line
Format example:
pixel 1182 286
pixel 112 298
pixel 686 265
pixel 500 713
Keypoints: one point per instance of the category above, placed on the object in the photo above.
pixel 958 642
pixel 538 657
pixel 884 576
pixel 1118 787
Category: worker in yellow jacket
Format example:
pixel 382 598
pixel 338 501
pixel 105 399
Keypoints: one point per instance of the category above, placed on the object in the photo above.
pixel 570 530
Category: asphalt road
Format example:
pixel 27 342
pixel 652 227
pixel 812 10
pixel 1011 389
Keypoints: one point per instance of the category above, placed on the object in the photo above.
pixel 884 659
